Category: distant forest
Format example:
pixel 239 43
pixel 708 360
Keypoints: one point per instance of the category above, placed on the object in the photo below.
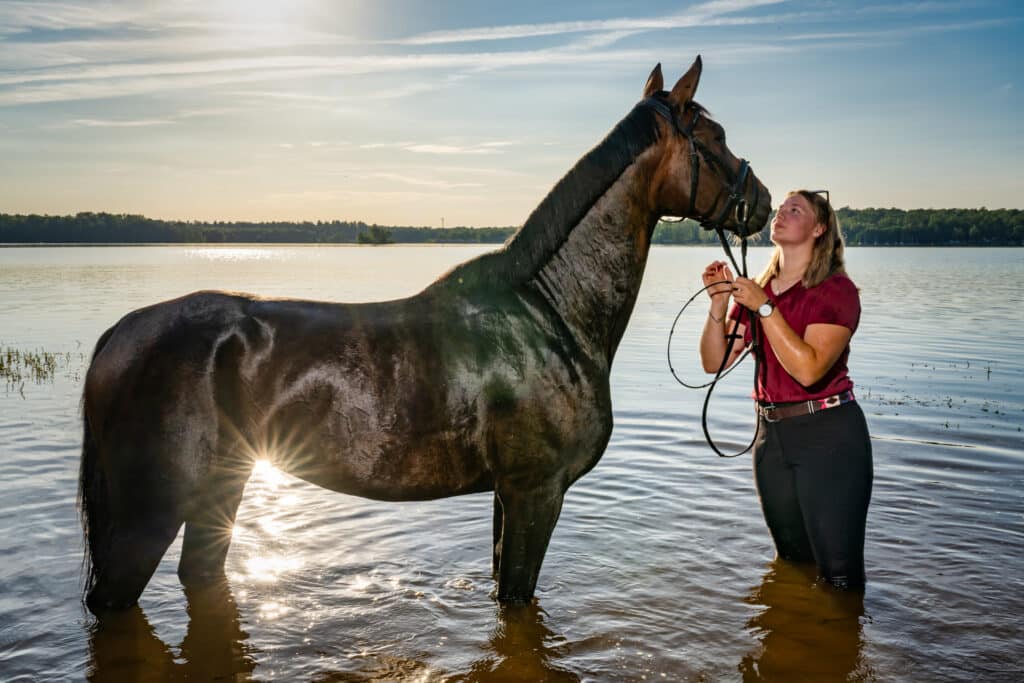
pixel 865 227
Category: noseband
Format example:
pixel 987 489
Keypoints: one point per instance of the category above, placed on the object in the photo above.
pixel 734 201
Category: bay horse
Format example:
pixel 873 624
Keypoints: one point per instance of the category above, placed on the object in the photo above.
pixel 493 378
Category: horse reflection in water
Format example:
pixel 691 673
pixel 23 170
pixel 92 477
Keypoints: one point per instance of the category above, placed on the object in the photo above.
pixel 522 648
pixel 124 647
pixel 494 378
pixel 808 630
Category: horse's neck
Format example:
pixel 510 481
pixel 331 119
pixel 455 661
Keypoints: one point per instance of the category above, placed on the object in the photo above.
pixel 593 279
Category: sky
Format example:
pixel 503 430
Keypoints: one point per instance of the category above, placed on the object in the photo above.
pixel 448 113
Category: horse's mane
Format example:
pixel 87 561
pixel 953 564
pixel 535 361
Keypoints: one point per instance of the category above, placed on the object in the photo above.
pixel 549 225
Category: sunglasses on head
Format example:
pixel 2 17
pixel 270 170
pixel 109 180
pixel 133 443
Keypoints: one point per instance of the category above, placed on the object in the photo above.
pixel 822 192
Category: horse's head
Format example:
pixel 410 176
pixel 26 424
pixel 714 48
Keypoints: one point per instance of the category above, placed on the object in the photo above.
pixel 698 176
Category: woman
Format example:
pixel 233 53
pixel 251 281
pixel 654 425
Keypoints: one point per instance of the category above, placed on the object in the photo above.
pixel 812 456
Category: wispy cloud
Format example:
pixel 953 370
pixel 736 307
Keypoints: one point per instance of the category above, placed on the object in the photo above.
pixel 901 32
pixel 23 15
pixel 425 148
pixel 493 147
pixel 118 123
pixel 695 16
pixel 152 61
pixel 105 81
pixel 422 182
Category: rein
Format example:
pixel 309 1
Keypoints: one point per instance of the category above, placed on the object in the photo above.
pixel 755 349
pixel 734 202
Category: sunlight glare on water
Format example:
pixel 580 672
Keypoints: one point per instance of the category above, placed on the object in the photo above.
pixel 264 474
pixel 274 521
pixel 227 254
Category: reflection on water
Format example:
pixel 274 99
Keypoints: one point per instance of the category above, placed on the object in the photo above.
pixel 521 648
pixel 125 647
pixel 807 630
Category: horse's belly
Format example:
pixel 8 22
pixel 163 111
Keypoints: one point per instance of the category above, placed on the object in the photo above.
pixel 386 466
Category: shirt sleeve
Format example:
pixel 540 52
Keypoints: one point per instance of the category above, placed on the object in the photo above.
pixel 837 303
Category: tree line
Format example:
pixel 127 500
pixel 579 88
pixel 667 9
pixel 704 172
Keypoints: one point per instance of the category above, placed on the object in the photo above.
pixel 861 227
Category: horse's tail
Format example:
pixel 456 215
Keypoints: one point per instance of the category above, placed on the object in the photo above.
pixel 93 503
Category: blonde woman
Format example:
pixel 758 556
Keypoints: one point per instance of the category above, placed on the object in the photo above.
pixel 812 456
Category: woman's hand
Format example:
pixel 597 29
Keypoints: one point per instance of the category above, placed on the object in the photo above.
pixel 748 293
pixel 718 271
pixel 713 338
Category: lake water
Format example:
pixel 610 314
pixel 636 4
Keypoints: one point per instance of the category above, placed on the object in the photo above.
pixel 661 566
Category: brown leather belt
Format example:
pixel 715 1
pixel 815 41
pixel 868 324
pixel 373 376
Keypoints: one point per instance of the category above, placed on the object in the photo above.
pixel 772 412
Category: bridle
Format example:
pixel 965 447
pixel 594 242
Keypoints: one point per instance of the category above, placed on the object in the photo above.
pixel 735 181
pixel 734 202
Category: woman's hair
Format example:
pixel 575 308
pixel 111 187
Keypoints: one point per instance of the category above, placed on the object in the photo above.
pixel 827 258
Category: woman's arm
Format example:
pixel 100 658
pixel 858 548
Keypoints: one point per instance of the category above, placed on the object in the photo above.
pixel 807 359
pixel 713 340
pixel 713 343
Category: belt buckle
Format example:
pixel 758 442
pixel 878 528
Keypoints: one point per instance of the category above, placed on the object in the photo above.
pixel 766 413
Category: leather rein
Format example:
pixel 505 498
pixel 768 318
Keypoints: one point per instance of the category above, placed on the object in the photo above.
pixel 734 203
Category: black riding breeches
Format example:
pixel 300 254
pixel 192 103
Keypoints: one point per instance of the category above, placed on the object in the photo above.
pixel 813 475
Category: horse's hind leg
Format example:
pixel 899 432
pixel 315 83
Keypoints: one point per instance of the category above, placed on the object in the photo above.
pixel 210 522
pixel 499 521
pixel 135 547
pixel 529 517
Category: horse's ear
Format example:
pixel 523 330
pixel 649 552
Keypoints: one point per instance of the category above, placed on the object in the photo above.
pixel 655 82
pixel 684 90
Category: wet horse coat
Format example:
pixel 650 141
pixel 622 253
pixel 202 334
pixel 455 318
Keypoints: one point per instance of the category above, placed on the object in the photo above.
pixel 495 377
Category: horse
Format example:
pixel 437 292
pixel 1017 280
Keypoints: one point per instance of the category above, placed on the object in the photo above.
pixel 495 377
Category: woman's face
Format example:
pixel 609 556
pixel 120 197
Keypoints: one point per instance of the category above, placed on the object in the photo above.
pixel 795 222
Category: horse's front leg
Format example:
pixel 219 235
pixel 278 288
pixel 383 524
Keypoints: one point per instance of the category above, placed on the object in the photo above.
pixel 528 514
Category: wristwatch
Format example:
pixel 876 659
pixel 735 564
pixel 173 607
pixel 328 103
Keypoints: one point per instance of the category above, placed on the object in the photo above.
pixel 765 309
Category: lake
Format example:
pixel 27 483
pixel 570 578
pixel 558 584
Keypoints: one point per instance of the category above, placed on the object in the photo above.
pixel 660 568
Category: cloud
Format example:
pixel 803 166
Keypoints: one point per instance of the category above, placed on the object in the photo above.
pixel 153 59
pixel 698 15
pixel 901 32
pixel 422 148
pixel 424 182
pixel 115 123
pixel 493 147
pixel 117 80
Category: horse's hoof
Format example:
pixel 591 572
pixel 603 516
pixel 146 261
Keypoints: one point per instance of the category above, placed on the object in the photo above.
pixel 514 600
pixel 99 605
pixel 198 579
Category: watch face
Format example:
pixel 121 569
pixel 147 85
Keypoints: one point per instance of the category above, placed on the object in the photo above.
pixel 766 309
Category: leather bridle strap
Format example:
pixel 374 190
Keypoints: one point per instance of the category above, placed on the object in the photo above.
pixel 733 193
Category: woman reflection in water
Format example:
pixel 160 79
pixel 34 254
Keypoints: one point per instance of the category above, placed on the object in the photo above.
pixel 812 456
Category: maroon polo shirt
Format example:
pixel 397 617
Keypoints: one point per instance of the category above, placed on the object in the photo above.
pixel 834 301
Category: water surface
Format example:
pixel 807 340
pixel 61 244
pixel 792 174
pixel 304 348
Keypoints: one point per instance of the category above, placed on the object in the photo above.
pixel 660 568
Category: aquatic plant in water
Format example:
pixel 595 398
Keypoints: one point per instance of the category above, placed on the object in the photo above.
pixel 38 367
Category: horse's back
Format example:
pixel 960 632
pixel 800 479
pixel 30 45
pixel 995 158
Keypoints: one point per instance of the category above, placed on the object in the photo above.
pixel 181 324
